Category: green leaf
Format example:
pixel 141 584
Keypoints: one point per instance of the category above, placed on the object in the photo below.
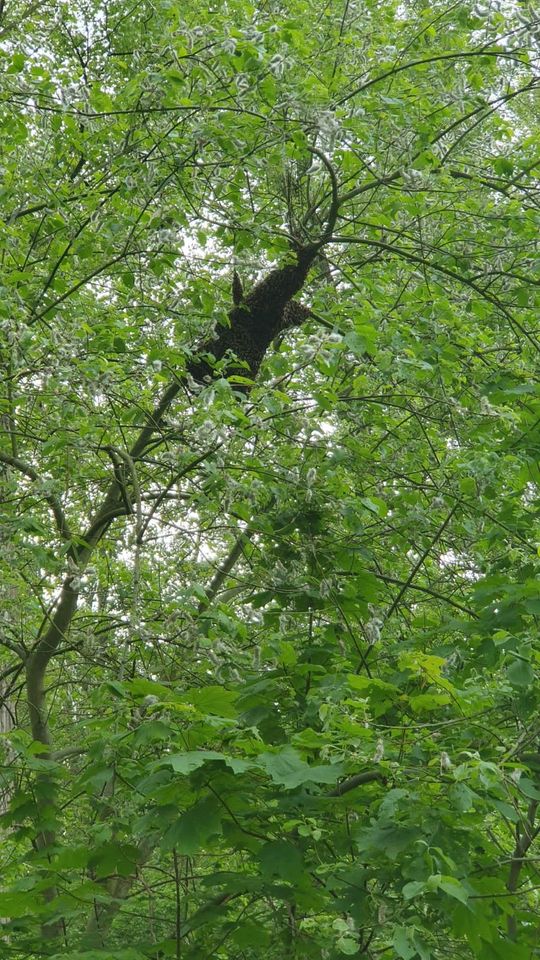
pixel 200 824
pixel 288 768
pixel 462 797
pixel 212 699
pixel 279 858
pixel 402 941
pixel 520 673
pixel 114 858
pixel 358 342
pixel 428 702
pixel 18 904
pixel 374 505
pixel 347 946
pixel 249 935
pixel 413 889
pixel 18 62
pixel 388 838
pixel 528 788
pixel 186 763
pixel 503 166
pixel 454 889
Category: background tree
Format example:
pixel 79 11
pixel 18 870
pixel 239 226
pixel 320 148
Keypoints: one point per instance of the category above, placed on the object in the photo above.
pixel 270 503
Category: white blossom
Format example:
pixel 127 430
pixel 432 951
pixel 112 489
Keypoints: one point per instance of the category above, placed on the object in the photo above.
pixel 242 82
pixel 277 65
pixel 446 763
pixel 228 45
pixel 373 630
pixel 253 35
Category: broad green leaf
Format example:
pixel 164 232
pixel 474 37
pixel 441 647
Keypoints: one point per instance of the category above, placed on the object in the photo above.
pixel 454 888
pixel 413 889
pixel 403 943
pixel 288 768
pixel 279 858
pixel 200 824
pixel 186 763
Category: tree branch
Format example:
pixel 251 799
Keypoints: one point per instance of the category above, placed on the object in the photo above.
pixel 54 503
pixel 525 834
pixel 395 603
pixel 393 71
pixel 369 776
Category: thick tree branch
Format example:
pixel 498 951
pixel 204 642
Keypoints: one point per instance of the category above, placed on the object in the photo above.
pixel 335 203
pixel 225 568
pixel 118 889
pixel 525 835
pixel 369 776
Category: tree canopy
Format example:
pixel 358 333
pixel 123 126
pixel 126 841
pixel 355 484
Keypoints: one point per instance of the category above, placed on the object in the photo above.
pixel 270 468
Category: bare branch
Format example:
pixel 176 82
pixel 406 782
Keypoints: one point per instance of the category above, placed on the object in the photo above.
pixel 336 202
pixel 369 776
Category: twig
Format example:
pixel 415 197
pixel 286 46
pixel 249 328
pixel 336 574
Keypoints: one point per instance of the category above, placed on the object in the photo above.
pixel 53 501
pixel 419 562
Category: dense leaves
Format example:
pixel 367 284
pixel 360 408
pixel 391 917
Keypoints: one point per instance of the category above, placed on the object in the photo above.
pixel 270 484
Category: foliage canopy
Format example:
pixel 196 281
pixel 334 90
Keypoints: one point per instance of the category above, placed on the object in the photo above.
pixel 270 563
